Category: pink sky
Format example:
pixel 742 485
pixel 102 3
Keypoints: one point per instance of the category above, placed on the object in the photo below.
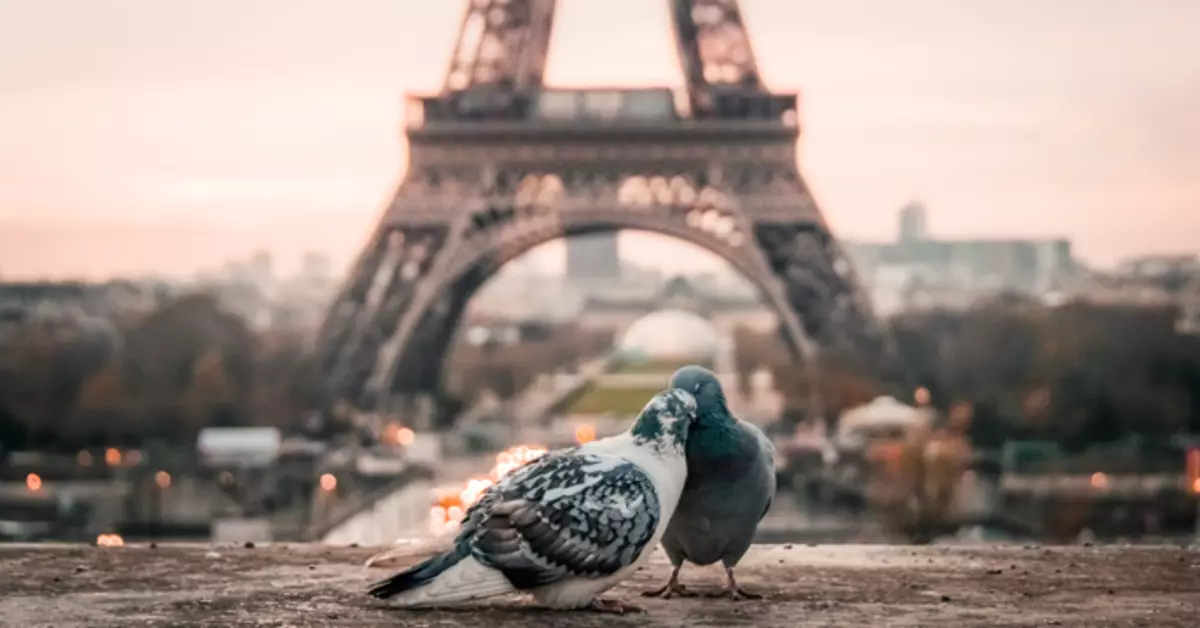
pixel 145 136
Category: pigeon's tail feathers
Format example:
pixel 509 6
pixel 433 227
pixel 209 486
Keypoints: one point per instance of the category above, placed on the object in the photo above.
pixel 416 576
pixel 447 578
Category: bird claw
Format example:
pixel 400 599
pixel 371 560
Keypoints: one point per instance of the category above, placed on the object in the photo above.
pixel 734 592
pixel 668 591
pixel 738 593
pixel 615 607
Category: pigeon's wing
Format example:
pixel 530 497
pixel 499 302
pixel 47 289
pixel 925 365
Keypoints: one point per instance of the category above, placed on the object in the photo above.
pixel 566 515
pixel 765 445
pixel 767 451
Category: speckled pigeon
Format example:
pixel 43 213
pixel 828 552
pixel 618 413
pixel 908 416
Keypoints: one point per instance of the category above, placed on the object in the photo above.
pixel 566 526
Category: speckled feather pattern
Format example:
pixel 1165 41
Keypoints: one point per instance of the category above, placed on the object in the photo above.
pixel 574 513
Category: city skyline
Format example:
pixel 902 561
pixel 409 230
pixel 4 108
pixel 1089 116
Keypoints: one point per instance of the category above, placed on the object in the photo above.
pixel 138 138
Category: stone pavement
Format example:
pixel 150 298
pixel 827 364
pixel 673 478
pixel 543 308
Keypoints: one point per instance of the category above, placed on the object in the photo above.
pixel 828 585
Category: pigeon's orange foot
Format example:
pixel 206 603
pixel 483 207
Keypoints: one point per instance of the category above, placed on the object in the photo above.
pixel 668 591
pixel 615 607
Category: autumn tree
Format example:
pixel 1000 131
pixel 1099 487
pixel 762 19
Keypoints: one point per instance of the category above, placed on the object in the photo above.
pixel 102 409
pixel 842 386
pixel 1077 374
pixel 288 385
pixel 210 399
pixel 188 348
pixel 29 381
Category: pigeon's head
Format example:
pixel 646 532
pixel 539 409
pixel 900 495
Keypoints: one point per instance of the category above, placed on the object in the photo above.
pixel 666 420
pixel 703 384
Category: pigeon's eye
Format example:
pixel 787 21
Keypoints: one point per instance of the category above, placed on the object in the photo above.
pixel 696 388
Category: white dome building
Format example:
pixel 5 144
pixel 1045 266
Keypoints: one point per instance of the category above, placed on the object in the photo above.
pixel 671 335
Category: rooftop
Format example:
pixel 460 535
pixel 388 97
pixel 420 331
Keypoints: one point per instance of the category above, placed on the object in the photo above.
pixel 842 585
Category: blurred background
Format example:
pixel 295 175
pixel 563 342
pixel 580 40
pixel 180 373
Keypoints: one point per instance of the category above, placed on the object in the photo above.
pixel 183 190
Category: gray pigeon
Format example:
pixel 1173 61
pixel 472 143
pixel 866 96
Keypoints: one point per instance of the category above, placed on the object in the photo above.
pixel 566 526
pixel 730 485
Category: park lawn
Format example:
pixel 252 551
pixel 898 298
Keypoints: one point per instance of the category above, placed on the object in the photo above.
pixel 619 401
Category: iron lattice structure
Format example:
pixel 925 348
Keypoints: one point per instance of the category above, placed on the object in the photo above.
pixel 499 163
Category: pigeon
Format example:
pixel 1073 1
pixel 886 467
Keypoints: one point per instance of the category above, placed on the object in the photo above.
pixel 729 489
pixel 568 525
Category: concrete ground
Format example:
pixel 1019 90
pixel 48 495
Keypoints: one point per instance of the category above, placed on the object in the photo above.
pixel 834 585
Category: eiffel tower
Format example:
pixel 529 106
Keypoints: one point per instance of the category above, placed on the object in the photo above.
pixel 500 163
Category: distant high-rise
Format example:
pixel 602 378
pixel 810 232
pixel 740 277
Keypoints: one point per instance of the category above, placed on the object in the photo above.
pixel 261 268
pixel 316 265
pixel 593 257
pixel 913 223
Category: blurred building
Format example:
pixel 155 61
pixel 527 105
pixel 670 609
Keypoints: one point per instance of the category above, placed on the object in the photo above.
pixel 316 267
pixel 1189 310
pixel 521 291
pixel 75 304
pixel 1171 272
pixel 724 311
pixel 913 223
pixel 593 258
pixel 919 271
pixel 266 300
pixel 299 302
pixel 1152 281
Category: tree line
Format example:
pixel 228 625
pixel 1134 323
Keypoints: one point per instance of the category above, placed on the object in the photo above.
pixel 191 364
pixel 1076 374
